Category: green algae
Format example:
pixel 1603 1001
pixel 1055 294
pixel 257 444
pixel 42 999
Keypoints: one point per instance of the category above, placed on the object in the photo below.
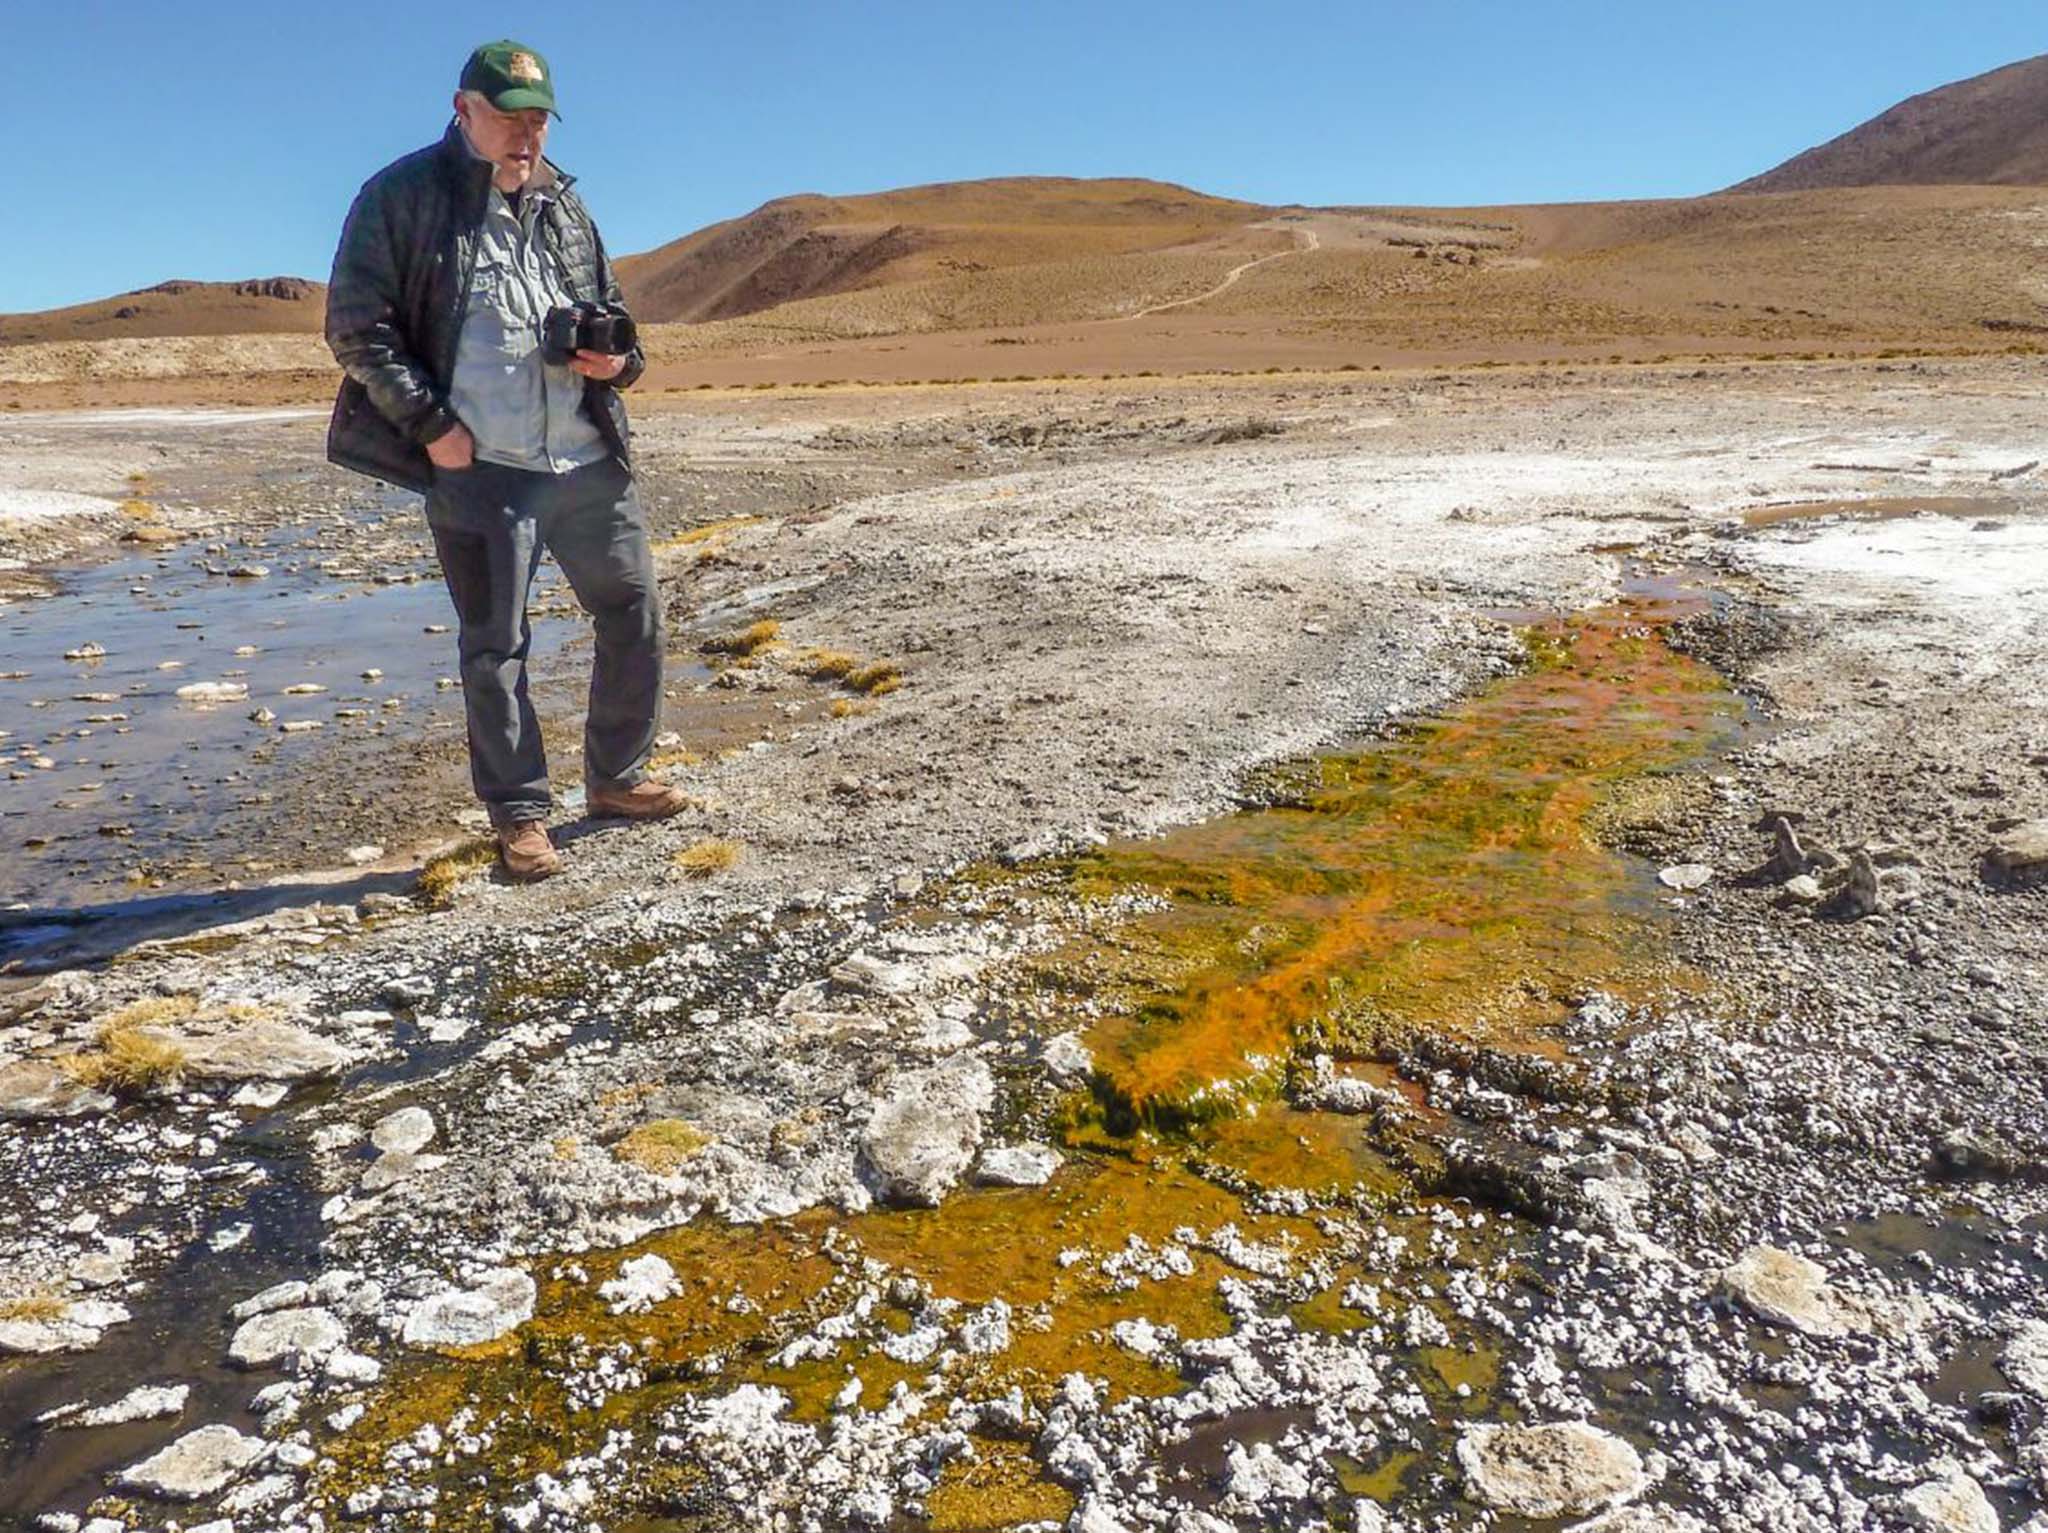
pixel 1446 879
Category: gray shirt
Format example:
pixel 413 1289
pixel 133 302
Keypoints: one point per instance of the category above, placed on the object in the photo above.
pixel 522 412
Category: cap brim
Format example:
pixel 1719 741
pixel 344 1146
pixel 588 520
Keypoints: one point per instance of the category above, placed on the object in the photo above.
pixel 522 100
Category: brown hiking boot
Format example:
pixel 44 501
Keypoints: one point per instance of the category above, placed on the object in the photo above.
pixel 527 854
pixel 648 800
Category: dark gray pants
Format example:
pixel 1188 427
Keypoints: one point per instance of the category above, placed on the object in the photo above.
pixel 490 524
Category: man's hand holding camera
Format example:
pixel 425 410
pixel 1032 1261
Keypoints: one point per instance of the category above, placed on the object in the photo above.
pixel 597 364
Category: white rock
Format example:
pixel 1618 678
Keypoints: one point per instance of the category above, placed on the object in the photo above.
pixel 642 1283
pixel 1804 888
pixel 1067 1058
pixel 1686 876
pixel 1561 1469
pixel 501 1301
pixel 214 692
pixel 2025 1358
pixel 878 976
pixel 1954 1503
pixel 922 1136
pixel 1787 1289
pixel 287 1338
pixel 987 1331
pixel 146 1402
pixel 346 1367
pixel 1260 1478
pixel 290 1294
pixel 359 856
pixel 76 1326
pixel 198 1464
pixel 1642 1519
pixel 407 1131
pixel 105 1267
pixel 1018 1165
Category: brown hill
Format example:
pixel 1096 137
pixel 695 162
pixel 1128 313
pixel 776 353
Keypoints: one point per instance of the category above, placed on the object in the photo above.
pixel 1989 130
pixel 258 306
pixel 810 246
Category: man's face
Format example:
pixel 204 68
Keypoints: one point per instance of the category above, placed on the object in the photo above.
pixel 512 141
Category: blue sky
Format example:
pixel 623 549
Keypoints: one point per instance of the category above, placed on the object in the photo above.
pixel 224 138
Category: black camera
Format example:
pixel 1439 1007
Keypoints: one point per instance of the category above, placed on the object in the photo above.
pixel 585 327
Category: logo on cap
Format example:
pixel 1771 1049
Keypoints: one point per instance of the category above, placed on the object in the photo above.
pixel 524 66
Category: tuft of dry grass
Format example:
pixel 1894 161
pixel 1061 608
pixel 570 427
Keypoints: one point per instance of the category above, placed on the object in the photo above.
pixel 439 878
pixel 681 756
pixel 829 664
pixel 39 1307
pixel 661 1145
pixel 135 508
pixel 878 679
pixel 846 708
pixel 127 1058
pixel 151 1011
pixel 744 641
pixel 712 855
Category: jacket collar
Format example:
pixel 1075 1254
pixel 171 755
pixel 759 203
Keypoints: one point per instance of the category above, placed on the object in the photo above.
pixel 472 171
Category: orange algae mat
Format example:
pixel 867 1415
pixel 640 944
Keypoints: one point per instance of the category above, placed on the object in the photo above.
pixel 1447 878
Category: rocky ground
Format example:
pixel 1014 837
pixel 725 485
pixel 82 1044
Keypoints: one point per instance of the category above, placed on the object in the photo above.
pixel 766 1168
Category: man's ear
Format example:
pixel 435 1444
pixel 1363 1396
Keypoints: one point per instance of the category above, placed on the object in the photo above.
pixel 461 109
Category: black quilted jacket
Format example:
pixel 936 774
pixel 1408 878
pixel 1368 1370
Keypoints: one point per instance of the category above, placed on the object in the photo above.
pixel 396 300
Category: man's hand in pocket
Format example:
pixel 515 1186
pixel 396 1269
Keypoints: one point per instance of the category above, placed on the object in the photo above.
pixel 453 449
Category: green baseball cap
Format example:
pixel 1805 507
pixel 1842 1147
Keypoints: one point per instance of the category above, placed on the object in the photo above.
pixel 512 76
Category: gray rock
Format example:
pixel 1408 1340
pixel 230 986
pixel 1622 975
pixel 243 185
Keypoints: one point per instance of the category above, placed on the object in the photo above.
pixel 1862 893
pixel 1562 1469
pixel 1686 876
pixel 1018 1165
pixel 405 1132
pixel 390 1169
pixel 1953 1503
pixel 2020 852
pixel 288 1338
pixel 35 1088
pixel 1789 858
pixel 501 1301
pixel 922 1136
pixel 201 1463
pixel 265 1050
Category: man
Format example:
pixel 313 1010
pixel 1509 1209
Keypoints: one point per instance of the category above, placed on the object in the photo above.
pixel 449 262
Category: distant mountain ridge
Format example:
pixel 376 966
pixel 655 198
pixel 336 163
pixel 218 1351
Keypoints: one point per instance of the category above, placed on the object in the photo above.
pixel 1988 130
pixel 812 246
pixel 254 306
